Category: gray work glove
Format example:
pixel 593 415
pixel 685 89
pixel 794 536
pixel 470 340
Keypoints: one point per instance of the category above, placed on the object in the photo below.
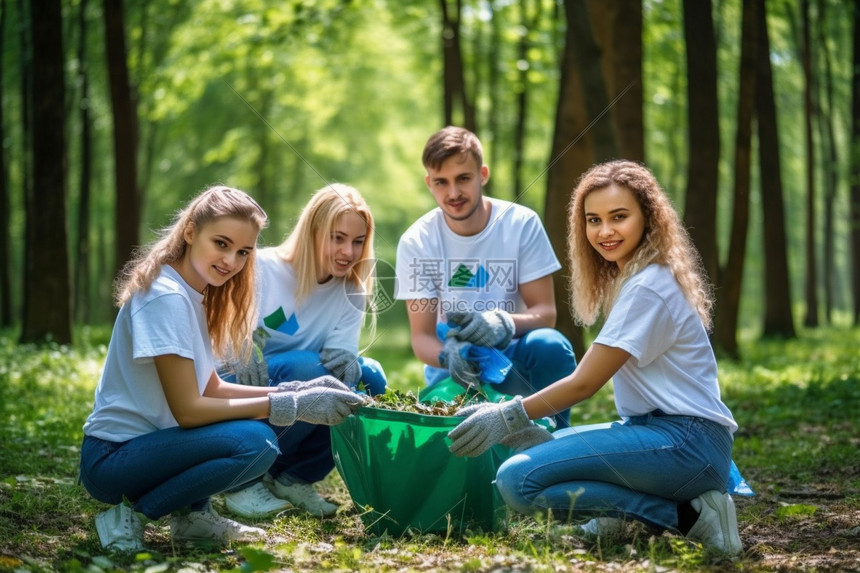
pixel 320 382
pixel 342 363
pixel 322 406
pixel 255 372
pixel 464 372
pixel 526 438
pixel 487 424
pixel 492 328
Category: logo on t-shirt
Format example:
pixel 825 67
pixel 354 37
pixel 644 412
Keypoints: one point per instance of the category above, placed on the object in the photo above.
pixel 492 274
pixel 279 321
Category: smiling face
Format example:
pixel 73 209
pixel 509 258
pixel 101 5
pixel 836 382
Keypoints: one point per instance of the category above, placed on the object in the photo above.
pixel 614 223
pixel 457 187
pixel 343 248
pixel 216 251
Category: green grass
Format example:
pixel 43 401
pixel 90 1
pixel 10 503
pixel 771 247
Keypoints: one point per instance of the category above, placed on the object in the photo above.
pixel 795 401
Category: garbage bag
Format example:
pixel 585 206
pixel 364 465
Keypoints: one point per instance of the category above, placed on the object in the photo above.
pixel 400 474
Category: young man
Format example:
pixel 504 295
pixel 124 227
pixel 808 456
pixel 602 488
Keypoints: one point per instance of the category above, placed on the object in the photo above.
pixel 483 266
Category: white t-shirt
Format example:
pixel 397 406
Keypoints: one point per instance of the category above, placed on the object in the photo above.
pixel 169 318
pixel 330 317
pixel 476 273
pixel 672 365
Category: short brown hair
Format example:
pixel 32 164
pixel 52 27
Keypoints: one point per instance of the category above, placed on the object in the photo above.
pixel 451 141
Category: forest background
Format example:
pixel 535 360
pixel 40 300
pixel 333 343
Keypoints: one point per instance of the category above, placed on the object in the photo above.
pixel 114 114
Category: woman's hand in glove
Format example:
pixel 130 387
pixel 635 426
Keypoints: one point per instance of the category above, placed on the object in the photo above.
pixel 323 406
pixel 487 425
pixel 320 382
pixel 341 363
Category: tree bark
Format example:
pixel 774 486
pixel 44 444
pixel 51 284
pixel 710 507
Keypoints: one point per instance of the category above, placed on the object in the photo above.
pixel 855 167
pixel 127 207
pixel 5 200
pixel 729 291
pixel 703 124
pixel 778 320
pixel 453 79
pixel 811 316
pixel 47 310
pixel 82 271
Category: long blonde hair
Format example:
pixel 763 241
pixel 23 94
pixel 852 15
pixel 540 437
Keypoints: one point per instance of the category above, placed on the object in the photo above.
pixel 231 309
pixel 596 282
pixel 304 246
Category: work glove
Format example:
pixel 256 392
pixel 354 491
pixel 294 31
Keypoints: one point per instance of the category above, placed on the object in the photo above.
pixel 322 406
pixel 526 438
pixel 342 363
pixel 255 372
pixel 487 424
pixel 493 328
pixel 453 359
pixel 321 382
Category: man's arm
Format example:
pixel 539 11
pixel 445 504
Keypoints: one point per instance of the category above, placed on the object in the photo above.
pixel 540 312
pixel 422 326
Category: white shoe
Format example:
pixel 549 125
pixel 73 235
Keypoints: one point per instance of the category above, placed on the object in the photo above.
pixel 120 529
pixel 207 525
pixel 717 525
pixel 602 527
pixel 303 495
pixel 254 501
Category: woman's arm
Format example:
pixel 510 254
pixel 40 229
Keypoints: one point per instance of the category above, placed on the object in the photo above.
pixel 595 369
pixel 217 404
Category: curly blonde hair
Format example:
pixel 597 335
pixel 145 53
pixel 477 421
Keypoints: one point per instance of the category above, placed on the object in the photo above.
pixel 231 309
pixel 596 282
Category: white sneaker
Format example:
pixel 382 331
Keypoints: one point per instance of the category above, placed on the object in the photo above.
pixel 254 501
pixel 717 525
pixel 602 527
pixel 207 525
pixel 303 495
pixel 120 529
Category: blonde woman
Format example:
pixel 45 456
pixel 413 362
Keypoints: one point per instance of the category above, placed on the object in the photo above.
pixel 314 288
pixel 166 432
pixel 667 462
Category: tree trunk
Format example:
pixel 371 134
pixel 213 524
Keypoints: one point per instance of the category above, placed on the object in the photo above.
pixel 82 272
pixel 855 167
pixel 5 200
pixel 127 207
pixel 700 213
pixel 830 163
pixel 528 24
pixel 453 78
pixel 729 291
pixel 778 320
pixel 811 317
pixel 597 103
pixel 618 31
pixel 47 312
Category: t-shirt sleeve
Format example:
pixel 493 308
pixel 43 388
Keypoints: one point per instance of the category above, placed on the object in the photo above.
pixel 417 275
pixel 163 325
pixel 537 258
pixel 639 323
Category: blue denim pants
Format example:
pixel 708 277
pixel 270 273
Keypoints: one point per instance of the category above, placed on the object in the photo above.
pixel 539 358
pixel 166 470
pixel 640 469
pixel 306 448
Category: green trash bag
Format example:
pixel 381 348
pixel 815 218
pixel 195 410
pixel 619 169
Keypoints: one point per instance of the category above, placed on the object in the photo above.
pixel 400 474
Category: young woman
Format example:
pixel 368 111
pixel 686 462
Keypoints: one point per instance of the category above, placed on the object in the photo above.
pixel 166 432
pixel 313 291
pixel 667 462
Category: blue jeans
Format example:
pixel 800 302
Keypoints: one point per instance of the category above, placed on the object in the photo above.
pixel 306 448
pixel 166 470
pixel 539 358
pixel 640 469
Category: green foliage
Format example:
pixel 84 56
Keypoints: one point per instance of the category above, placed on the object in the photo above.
pixel 793 401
